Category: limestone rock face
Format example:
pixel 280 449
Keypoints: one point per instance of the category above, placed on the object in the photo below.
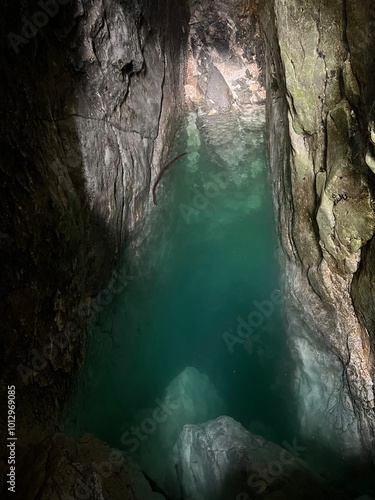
pixel 89 98
pixel 224 58
pixel 319 58
pixel 218 90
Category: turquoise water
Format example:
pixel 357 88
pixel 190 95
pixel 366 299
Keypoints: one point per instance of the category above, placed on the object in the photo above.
pixel 208 254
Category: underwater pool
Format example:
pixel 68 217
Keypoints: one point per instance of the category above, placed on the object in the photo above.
pixel 201 303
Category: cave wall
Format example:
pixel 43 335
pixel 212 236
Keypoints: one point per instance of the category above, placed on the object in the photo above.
pixel 225 54
pixel 89 99
pixel 319 67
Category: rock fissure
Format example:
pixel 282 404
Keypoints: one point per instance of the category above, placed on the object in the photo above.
pixel 104 120
pixel 98 100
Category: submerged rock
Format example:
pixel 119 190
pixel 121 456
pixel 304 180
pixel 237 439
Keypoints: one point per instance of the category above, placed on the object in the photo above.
pixel 221 460
pixel 189 399
pixel 65 469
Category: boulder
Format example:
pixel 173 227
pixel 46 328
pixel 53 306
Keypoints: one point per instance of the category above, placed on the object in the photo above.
pixel 221 460
pixel 189 399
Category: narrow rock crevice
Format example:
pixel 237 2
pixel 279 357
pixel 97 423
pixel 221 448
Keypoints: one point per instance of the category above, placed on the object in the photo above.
pixel 89 103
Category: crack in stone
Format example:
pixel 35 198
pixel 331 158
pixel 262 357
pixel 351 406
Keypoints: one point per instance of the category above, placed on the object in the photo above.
pixel 323 57
pixel 76 115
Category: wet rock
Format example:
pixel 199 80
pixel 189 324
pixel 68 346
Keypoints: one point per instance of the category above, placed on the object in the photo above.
pixel 319 118
pixel 220 459
pixel 218 90
pixel 87 468
pixel 234 138
pixel 88 106
pixel 224 47
pixel 190 398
